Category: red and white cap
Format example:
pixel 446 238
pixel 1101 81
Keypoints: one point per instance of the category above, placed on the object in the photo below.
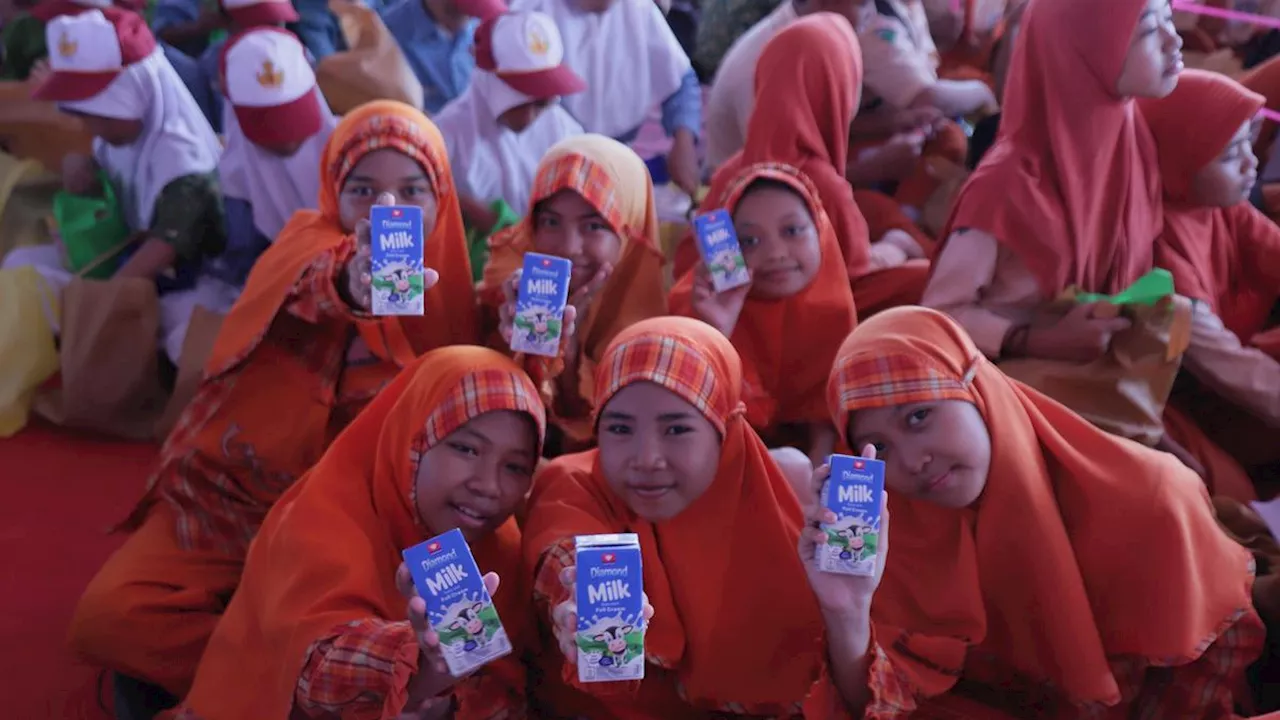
pixel 481 9
pixel 259 13
pixel 89 50
pixel 271 86
pixel 525 50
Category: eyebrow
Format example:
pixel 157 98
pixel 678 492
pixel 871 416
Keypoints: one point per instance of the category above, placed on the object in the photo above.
pixel 366 179
pixel 664 417
pixel 475 434
pixel 591 215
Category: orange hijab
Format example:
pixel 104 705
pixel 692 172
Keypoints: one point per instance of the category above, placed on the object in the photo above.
pixel 808 87
pixel 1265 80
pixel 328 552
pixel 1210 251
pixel 450 305
pixel 615 181
pixel 725 571
pixel 787 346
pixel 1071 184
pixel 1116 541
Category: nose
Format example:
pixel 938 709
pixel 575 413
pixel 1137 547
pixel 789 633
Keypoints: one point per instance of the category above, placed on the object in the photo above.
pixel 485 481
pixel 1250 162
pixel 649 456
pixel 1172 42
pixel 915 459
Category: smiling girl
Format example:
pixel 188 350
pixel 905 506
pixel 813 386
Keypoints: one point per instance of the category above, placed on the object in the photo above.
pixel 327 610
pixel 592 203
pixel 789 321
pixel 1039 567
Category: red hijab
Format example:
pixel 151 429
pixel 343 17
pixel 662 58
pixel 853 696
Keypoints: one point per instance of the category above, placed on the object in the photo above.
pixel 1071 183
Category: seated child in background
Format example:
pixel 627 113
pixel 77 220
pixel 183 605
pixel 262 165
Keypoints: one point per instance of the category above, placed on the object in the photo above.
pixel 297 358
pixel 786 322
pixel 734 625
pixel 327 609
pixel 275 137
pixel 24 38
pixel 1224 253
pixel 436 37
pixel 152 144
pixel 506 120
pixel 592 203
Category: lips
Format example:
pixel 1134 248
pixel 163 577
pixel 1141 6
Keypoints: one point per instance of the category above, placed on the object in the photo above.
pixel 939 481
pixel 650 491
pixel 469 516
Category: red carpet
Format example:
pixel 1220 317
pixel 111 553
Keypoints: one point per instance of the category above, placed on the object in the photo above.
pixel 62 492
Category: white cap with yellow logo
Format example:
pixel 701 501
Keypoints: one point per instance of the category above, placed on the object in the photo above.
pixel 525 50
pixel 271 86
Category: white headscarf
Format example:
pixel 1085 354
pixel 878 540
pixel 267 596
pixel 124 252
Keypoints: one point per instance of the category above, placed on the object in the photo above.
pixel 176 138
pixel 276 187
pixel 490 161
pixel 628 56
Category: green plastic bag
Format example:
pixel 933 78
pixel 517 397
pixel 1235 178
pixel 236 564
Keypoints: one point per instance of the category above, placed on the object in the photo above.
pixel 478 239
pixel 1147 290
pixel 91 227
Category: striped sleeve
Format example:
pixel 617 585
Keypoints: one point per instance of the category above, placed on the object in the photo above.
pixel 354 672
pixel 316 296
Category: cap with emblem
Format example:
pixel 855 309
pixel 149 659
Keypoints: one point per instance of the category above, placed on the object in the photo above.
pixel 525 51
pixel 89 50
pixel 259 13
pixel 271 87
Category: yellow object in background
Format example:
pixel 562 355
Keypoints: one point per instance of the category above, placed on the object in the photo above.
pixel 28 354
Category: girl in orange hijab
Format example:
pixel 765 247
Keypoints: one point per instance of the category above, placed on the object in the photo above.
pixel 808 85
pixel 1223 253
pixel 326 621
pixel 1265 80
pixel 789 321
pixel 730 628
pixel 592 203
pixel 1038 567
pixel 297 357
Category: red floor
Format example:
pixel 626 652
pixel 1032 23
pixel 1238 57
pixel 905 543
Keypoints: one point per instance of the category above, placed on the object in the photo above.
pixel 61 493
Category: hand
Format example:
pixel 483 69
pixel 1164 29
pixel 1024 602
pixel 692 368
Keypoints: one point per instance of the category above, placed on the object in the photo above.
pixel 507 312
pixel 564 617
pixel 903 240
pixel 899 156
pixel 1082 335
pixel 837 594
pixel 886 255
pixel 926 117
pixel 357 276
pixel 78 177
pixel 433 675
pixel 40 71
pixel 682 163
pixel 990 103
pixel 719 310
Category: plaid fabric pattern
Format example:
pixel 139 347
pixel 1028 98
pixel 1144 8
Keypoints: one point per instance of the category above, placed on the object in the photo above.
pixel 781 172
pixel 671 364
pixel 882 381
pixel 592 182
pixel 395 132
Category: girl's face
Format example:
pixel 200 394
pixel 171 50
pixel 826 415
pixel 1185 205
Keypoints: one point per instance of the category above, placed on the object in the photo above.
pixel 567 226
pixel 779 241
pixel 477 477
pixel 113 131
pixel 1155 54
pixel 658 453
pixel 1229 179
pixel 939 451
pixel 520 117
pixel 389 171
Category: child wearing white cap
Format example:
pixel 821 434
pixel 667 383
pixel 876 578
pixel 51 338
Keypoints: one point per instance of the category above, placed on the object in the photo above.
pixel 275 133
pixel 508 118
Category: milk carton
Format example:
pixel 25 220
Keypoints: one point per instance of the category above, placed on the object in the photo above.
pixel 396 269
pixel 610 608
pixel 544 292
pixel 459 607
pixel 853 492
pixel 721 253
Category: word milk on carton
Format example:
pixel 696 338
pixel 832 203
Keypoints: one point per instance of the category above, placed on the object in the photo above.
pixel 610 608
pixel 853 491
pixel 459 607
pixel 544 292
pixel 721 253
pixel 396 269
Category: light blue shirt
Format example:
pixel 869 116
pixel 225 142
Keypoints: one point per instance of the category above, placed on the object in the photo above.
pixel 442 62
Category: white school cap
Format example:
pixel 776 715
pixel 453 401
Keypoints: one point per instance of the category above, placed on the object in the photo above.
pixel 89 50
pixel 271 87
pixel 525 50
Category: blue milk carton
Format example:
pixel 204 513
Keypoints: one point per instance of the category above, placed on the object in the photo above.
pixel 853 491
pixel 459 607
pixel 721 253
pixel 396 268
pixel 544 292
pixel 610 608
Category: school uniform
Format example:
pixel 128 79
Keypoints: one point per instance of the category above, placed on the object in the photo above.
pixel 441 60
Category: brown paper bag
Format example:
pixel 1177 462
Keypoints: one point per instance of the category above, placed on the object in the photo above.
pixel 937 209
pixel 1124 392
pixel 38 130
pixel 372 68
pixel 202 331
pixel 110 381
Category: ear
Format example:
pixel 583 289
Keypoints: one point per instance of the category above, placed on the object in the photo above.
pixel 599 637
pixel 626 629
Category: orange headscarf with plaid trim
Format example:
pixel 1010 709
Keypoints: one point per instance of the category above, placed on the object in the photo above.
pixel 723 575
pixel 328 552
pixel 450 306
pixel 787 345
pixel 614 181
pixel 1083 546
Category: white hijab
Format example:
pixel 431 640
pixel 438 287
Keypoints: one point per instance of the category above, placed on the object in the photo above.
pixel 628 56
pixel 490 161
pixel 176 138
pixel 276 187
